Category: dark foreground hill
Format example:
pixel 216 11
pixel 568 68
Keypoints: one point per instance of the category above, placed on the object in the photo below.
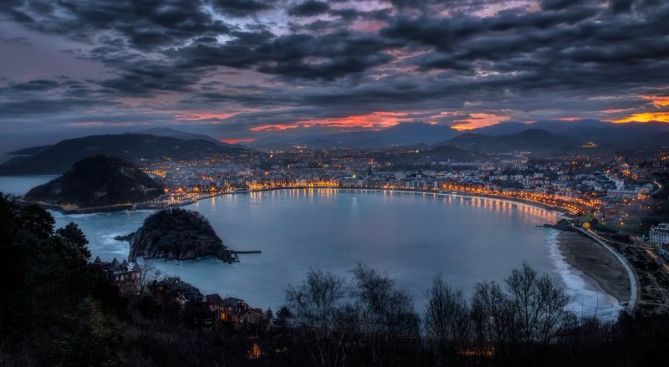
pixel 177 234
pixel 98 181
pixel 132 147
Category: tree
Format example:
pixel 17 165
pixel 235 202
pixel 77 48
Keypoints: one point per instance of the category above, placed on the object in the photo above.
pixel 96 340
pixel 386 317
pixel 314 303
pixel 539 304
pixel 283 318
pixel 447 318
pixel 74 235
pixel 383 308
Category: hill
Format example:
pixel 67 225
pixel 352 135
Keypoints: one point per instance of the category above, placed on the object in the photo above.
pixel 609 136
pixel 409 133
pixel 132 147
pixel 177 234
pixel 537 141
pixel 29 151
pixel 178 134
pixel 438 153
pixel 95 182
pixel 403 134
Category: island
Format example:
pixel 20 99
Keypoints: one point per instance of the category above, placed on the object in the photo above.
pixel 97 183
pixel 177 234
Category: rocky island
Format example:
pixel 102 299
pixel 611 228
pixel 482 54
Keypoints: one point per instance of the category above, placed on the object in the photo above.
pixel 97 182
pixel 177 234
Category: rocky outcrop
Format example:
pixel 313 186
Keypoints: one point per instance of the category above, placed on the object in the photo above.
pixel 98 181
pixel 177 234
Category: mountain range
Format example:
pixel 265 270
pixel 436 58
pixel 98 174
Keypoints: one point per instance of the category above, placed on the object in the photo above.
pixel 432 142
pixel 404 134
pixel 572 134
pixel 132 147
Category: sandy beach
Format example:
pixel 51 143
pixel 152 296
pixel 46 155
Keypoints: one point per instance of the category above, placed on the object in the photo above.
pixel 596 263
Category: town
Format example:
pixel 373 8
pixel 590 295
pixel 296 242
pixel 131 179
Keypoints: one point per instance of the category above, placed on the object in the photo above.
pixel 617 191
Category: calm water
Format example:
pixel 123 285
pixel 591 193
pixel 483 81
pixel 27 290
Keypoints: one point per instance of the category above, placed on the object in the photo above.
pixel 21 185
pixel 410 237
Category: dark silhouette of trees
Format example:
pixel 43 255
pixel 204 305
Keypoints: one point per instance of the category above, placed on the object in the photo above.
pixel 54 305
pixel 448 323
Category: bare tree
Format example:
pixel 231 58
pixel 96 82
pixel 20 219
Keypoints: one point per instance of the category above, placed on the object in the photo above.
pixel 447 319
pixel 539 303
pixel 387 316
pixel 148 274
pixel 318 304
pixel 314 303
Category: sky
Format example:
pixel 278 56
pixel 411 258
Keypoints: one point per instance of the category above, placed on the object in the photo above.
pixel 240 70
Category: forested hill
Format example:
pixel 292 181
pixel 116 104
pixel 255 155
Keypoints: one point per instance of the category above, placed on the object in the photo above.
pixel 132 147
pixel 98 181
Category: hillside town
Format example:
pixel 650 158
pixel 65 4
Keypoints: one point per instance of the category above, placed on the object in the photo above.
pixel 619 191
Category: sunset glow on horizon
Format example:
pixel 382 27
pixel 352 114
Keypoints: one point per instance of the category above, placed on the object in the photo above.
pixel 374 120
pixel 644 117
pixel 479 120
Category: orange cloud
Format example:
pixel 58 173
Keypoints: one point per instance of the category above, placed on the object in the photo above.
pixel 616 110
pixel 198 116
pixel 645 117
pixel 374 120
pixel 477 120
pixel 238 140
pixel 658 101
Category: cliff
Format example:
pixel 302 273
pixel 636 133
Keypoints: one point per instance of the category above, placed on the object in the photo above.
pixel 96 182
pixel 177 234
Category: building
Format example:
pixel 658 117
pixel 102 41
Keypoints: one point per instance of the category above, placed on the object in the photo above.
pixel 659 235
pixel 126 276
pixel 234 311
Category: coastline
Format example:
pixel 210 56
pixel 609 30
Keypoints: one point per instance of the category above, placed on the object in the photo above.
pixel 149 205
pixel 575 250
pixel 595 263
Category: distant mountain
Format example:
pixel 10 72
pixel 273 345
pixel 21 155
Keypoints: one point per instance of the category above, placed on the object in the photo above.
pixel 173 133
pixel 653 142
pixel 532 140
pixel 608 135
pixel 403 134
pixel 98 181
pixel 29 151
pixel 445 152
pixel 132 147
pixel 504 128
pixel 410 133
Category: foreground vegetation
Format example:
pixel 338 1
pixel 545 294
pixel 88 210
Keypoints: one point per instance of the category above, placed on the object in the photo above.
pixel 58 309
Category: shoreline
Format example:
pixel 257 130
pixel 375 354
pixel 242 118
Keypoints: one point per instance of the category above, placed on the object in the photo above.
pixel 595 263
pixel 162 205
pixel 578 251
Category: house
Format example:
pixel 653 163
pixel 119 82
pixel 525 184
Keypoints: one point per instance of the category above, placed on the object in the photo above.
pixel 233 311
pixel 126 276
pixel 252 316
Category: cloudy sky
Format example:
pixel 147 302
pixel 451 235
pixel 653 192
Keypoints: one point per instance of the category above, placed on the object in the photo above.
pixel 243 69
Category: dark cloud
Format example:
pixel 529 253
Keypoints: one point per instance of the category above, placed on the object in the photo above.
pixel 317 59
pixel 242 8
pixel 142 23
pixel 306 56
pixel 309 8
